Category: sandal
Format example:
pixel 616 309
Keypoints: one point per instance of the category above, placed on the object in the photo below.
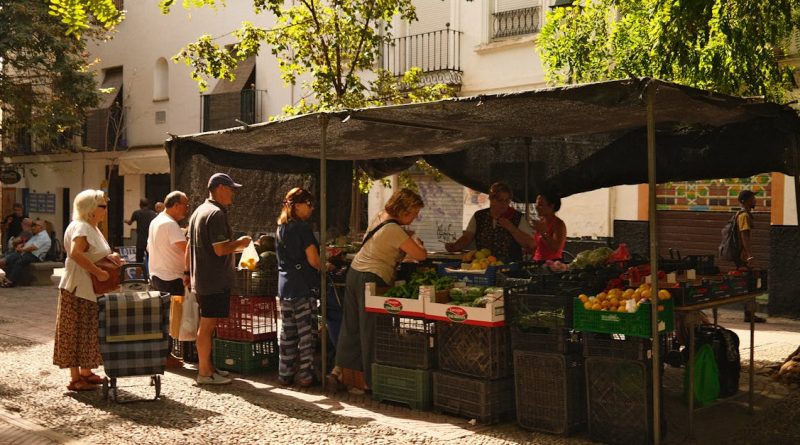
pixel 92 379
pixel 81 385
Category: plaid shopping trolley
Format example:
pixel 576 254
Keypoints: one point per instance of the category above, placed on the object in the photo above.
pixel 133 337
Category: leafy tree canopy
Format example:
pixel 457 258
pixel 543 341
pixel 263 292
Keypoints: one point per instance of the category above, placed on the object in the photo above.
pixel 730 46
pixel 80 16
pixel 45 86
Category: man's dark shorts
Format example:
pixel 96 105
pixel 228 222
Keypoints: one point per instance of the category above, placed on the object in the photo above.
pixel 174 287
pixel 215 305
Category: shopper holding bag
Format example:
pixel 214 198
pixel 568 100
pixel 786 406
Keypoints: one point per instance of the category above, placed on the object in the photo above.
pixel 298 288
pixel 77 345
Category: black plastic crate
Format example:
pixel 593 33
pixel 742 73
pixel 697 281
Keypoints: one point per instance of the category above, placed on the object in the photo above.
pixel 411 387
pixel 620 401
pixel 617 346
pixel 185 350
pixel 550 392
pixel 256 283
pixel 474 351
pixel 487 401
pixel 562 341
pixel 551 311
pixel 406 342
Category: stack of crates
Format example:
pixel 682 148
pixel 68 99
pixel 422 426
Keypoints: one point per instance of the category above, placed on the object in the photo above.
pixel 474 378
pixel 619 389
pixel 404 357
pixel 247 341
pixel 548 365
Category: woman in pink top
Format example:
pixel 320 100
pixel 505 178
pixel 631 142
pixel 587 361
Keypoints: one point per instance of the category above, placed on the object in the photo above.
pixel 550 231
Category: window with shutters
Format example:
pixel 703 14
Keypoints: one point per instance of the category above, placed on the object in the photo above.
pixel 105 125
pixel 516 17
pixel 233 103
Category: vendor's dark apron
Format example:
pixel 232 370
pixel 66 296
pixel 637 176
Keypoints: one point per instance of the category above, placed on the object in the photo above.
pixel 497 239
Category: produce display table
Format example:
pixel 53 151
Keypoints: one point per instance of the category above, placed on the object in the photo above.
pixel 691 322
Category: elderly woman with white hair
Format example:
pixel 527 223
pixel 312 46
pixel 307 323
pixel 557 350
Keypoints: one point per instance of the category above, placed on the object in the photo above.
pixel 77 345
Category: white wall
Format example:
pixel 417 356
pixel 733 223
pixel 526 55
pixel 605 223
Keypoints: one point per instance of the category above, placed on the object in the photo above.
pixel 625 202
pixel 587 213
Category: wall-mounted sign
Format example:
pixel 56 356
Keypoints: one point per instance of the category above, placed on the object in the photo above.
pixel 10 176
pixel 42 202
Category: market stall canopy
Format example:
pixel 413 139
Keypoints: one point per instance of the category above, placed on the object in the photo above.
pixel 576 138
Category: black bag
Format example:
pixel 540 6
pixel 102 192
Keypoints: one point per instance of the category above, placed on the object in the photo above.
pixel 725 344
pixel 730 249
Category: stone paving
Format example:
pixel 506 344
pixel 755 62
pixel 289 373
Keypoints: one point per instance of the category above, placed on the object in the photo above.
pixel 36 408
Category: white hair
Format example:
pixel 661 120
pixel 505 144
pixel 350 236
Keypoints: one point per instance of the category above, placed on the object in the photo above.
pixel 85 203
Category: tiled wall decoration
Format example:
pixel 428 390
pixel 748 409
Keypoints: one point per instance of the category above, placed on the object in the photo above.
pixel 716 195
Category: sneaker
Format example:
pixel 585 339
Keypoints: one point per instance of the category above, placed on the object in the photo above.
pixel 222 373
pixel 213 379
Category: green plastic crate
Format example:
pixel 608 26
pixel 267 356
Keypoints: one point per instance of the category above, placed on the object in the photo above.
pixel 636 324
pixel 408 386
pixel 245 357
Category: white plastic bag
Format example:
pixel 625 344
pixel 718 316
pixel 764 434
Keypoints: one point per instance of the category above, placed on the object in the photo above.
pixel 190 318
pixel 249 257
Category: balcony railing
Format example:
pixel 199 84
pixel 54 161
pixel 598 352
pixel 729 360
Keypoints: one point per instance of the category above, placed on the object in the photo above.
pixel 436 53
pixel 516 22
pixel 224 110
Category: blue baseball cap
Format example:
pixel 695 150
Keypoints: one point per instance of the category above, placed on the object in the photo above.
pixel 221 179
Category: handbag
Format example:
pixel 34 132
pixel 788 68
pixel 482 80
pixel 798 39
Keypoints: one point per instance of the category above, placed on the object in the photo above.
pixel 114 277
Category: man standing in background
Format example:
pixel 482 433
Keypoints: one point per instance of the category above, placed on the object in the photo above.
pixel 142 217
pixel 166 248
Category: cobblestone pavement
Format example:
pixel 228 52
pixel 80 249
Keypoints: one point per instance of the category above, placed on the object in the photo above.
pixel 35 406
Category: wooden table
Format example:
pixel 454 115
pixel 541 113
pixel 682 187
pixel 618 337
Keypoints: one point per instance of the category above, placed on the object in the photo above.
pixel 691 322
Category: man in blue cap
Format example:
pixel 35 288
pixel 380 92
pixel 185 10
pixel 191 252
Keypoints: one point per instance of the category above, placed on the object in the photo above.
pixel 210 267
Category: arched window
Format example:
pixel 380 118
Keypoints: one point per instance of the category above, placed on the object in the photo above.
pixel 161 80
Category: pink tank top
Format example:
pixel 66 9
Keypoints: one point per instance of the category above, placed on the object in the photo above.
pixel 543 252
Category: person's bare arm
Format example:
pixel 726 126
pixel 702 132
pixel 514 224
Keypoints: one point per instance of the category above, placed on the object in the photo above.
pixel 77 253
pixel 554 240
pixel 522 238
pixel 414 249
pixel 312 256
pixel 229 247
pixel 747 254
pixel 460 243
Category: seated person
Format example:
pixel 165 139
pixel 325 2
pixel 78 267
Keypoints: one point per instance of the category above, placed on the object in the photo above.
pixel 23 236
pixel 500 228
pixel 33 250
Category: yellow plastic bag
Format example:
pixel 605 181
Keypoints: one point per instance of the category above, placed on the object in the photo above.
pixel 249 258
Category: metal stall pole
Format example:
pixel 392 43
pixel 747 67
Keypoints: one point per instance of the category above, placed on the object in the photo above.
pixel 323 241
pixel 651 203
pixel 527 177
pixel 173 144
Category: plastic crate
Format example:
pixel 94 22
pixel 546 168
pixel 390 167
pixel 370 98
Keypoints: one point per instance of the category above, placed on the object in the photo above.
pixel 617 346
pixel 408 386
pixel 487 401
pixel 245 357
pixel 474 351
pixel 250 319
pixel 550 392
pixel 487 278
pixel 405 342
pixel 256 283
pixel 739 285
pixel 687 294
pixel 619 401
pixel 539 311
pixel 185 350
pixel 636 324
pixel 562 341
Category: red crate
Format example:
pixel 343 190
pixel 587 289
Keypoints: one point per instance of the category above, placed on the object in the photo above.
pixel 250 319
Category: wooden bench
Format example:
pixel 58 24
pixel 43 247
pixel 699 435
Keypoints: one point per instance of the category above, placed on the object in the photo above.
pixel 38 274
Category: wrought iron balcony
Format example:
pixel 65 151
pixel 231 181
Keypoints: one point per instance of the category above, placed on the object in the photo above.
pixel 516 22
pixel 436 53
pixel 225 110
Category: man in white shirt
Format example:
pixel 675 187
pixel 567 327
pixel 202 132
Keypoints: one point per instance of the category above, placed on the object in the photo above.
pixel 33 250
pixel 166 247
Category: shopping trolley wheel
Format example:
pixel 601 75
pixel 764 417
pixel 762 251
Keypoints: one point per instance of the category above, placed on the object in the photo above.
pixel 157 383
pixel 105 388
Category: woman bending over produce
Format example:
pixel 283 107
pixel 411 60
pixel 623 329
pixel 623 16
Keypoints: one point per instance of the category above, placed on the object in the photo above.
pixel 383 247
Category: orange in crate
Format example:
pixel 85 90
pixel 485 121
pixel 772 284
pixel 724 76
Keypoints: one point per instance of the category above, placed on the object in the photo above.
pixel 250 319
